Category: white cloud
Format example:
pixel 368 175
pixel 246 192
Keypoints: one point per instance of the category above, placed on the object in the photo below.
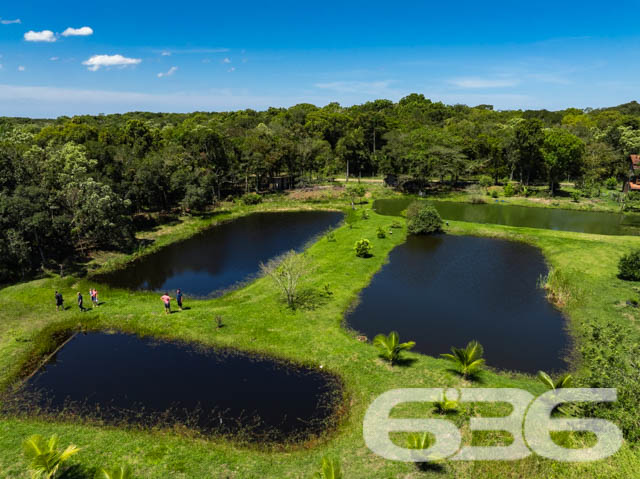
pixel 226 60
pixel 232 69
pixel 54 59
pixel 475 82
pixel 171 71
pixel 97 61
pixel 21 68
pixel 166 53
pixel 9 22
pixel 78 32
pixel 43 36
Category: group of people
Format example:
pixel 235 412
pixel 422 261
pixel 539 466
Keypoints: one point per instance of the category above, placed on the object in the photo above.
pixel 166 299
pixel 93 293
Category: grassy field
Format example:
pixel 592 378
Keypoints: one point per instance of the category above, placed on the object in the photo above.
pixel 257 320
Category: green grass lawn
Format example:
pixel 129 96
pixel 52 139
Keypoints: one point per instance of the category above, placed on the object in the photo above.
pixel 257 320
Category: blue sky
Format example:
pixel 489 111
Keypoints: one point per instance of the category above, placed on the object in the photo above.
pixel 186 55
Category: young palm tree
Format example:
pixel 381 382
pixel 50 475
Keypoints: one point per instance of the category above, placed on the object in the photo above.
pixel 330 469
pixel 445 405
pixel 122 472
pixel 390 346
pixel 563 381
pixel 468 360
pixel 418 441
pixel 44 456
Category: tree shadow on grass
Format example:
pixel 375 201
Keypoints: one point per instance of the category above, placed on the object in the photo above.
pixel 405 362
pixel 475 377
pixel 79 472
pixel 311 298
pixel 430 467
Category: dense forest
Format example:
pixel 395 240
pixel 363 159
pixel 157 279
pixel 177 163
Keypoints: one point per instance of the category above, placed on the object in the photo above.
pixel 71 185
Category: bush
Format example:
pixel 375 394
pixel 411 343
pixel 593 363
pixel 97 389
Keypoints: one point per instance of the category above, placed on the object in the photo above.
pixel 423 218
pixel 381 234
pixel 494 194
pixel 396 225
pixel 485 181
pixel 365 215
pixel 629 266
pixel 575 196
pixel 363 248
pixel 611 183
pixel 251 199
pixel 508 190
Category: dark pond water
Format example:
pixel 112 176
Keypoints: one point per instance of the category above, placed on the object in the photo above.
pixel 143 381
pixel 512 215
pixel 225 255
pixel 444 291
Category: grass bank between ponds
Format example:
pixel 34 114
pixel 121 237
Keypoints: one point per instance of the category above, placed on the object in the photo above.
pixel 256 320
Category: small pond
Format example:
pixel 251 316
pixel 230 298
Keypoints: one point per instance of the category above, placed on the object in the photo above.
pixel 511 215
pixel 225 255
pixel 120 378
pixel 442 291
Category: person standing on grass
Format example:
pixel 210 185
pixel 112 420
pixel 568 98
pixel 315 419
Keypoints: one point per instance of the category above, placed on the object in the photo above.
pixel 93 301
pixel 95 297
pixel 59 301
pixel 80 305
pixel 166 299
pixel 179 299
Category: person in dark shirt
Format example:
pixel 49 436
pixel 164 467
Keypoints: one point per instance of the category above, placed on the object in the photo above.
pixel 80 305
pixel 59 301
pixel 179 299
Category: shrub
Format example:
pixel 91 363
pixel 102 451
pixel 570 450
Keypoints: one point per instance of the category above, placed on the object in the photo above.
pixel 508 190
pixel 575 196
pixel 365 215
pixel 423 219
pixel 121 472
pixel 363 248
pixel 381 234
pixel 251 199
pixel 396 225
pixel 629 266
pixel 494 194
pixel 331 237
pixel 485 181
pixel 611 183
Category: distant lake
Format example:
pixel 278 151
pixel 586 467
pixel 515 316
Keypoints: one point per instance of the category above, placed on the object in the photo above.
pixel 442 291
pixel 124 378
pixel 224 255
pixel 511 215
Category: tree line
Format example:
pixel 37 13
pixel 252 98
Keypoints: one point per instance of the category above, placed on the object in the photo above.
pixel 71 185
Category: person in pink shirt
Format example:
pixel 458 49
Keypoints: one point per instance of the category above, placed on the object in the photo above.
pixel 167 303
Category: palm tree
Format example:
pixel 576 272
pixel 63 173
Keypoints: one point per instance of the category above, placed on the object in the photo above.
pixel 445 405
pixel 122 472
pixel 563 381
pixel 468 360
pixel 44 456
pixel 330 469
pixel 418 441
pixel 390 346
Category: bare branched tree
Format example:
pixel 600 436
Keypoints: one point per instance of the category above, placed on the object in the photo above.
pixel 286 272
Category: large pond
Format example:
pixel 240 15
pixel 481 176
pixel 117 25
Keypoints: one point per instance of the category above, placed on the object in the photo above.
pixel 443 291
pixel 223 256
pixel 121 378
pixel 512 215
